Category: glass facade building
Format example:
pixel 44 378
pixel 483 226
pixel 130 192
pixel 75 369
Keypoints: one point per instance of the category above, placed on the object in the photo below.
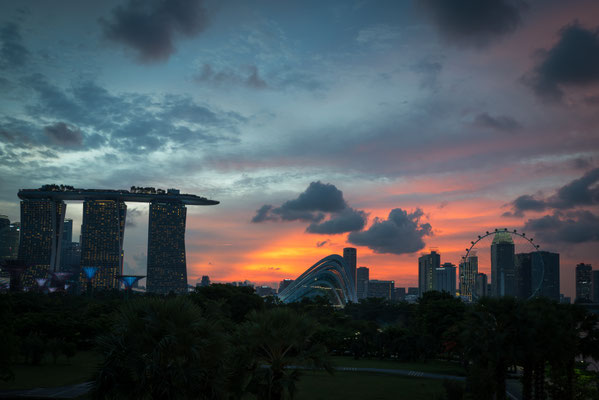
pixel 503 266
pixel 102 235
pixel 167 270
pixel 427 264
pixel 468 274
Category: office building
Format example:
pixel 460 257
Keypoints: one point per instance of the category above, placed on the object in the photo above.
pixel 264 291
pixel 503 270
pixel 362 277
pixel 9 239
pixel 595 279
pixel 205 281
pixel 524 284
pixel 444 279
pixel 400 294
pixel 382 289
pixel 167 269
pixel 67 231
pixel 545 276
pixel 427 264
pixel 102 236
pixel 584 283
pixel 40 237
pixel 350 255
pixel 284 283
pixel 468 273
pixel 481 285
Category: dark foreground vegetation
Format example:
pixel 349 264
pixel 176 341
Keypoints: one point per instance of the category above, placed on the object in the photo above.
pixel 224 342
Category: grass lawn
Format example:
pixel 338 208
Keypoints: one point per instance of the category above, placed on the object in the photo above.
pixel 78 369
pixel 434 366
pixel 363 385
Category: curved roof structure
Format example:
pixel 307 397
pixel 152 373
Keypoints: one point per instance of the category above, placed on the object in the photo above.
pixel 329 277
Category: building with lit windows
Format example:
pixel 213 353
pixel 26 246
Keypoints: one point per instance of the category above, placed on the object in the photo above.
pixel 468 273
pixel 9 238
pixel 381 289
pixel 102 236
pixel 444 279
pixel 40 239
pixel 584 284
pixel 167 270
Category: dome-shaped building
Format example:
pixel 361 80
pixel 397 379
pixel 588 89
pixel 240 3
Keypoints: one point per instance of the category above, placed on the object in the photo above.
pixel 329 277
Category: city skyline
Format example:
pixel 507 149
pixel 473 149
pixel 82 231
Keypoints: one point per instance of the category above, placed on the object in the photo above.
pixel 317 126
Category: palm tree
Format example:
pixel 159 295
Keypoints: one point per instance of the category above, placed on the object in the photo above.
pixel 162 348
pixel 281 340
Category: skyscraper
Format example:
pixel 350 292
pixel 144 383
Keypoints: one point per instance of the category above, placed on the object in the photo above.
pixel 444 279
pixel 350 255
pixel 503 271
pixel 67 231
pixel 40 239
pixel 427 264
pixel 362 277
pixel 545 274
pixel 9 238
pixel 524 285
pixel 468 272
pixel 481 285
pixel 595 279
pixel 102 236
pixel 167 269
pixel 583 283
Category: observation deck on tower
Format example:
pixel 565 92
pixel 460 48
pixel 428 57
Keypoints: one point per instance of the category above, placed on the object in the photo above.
pixel 139 195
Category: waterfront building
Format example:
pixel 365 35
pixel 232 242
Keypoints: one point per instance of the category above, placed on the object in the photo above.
pixel 583 283
pixel 167 269
pixel 382 289
pixel 102 234
pixel 427 264
pixel 362 277
pixel 40 237
pixel 503 270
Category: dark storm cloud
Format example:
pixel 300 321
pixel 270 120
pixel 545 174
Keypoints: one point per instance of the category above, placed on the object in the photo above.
pixel 64 135
pixel 499 122
pixel 474 22
pixel 12 53
pixel 317 202
pixel 580 192
pixel 131 122
pixel 151 27
pixel 250 78
pixel 570 227
pixel 574 60
pixel 348 220
pixel 400 233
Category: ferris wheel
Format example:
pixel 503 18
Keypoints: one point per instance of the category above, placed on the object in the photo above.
pixel 534 247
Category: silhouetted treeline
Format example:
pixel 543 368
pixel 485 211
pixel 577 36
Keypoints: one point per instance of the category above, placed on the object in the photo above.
pixel 225 342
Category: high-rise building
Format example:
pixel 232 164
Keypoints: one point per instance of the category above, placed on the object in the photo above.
pixel 412 291
pixel 595 279
pixel 350 255
pixel 40 239
pixel 205 281
pixel 284 283
pixel 524 284
pixel 545 274
pixel 503 271
pixel 583 283
pixel 427 264
pixel 102 236
pixel 444 279
pixel 362 277
pixel 468 272
pixel 67 231
pixel 167 269
pixel 399 294
pixel 9 238
pixel 481 285
pixel 382 289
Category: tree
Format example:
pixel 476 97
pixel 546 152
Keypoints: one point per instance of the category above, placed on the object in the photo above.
pixel 279 340
pixel 162 348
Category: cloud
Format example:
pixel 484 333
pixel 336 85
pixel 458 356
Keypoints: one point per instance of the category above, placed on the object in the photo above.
pixel 251 78
pixel 64 135
pixel 348 220
pixel 400 233
pixel 429 70
pixel 583 191
pixel 12 53
pixel 313 205
pixel 474 22
pixel 571 227
pixel 574 60
pixel 150 27
pixel 133 216
pixel 500 123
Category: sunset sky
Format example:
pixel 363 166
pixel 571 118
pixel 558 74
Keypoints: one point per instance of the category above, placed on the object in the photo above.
pixel 390 126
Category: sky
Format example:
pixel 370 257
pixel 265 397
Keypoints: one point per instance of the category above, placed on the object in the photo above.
pixel 395 127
